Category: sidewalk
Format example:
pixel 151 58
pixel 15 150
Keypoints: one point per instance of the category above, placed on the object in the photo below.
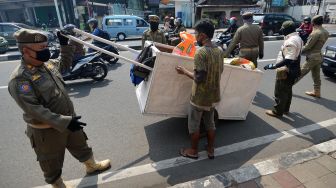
pixel 314 167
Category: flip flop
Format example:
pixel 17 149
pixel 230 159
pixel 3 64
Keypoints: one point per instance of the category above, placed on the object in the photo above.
pixel 187 155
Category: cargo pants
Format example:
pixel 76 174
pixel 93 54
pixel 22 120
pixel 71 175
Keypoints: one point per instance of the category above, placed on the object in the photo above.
pixel 49 146
pixel 313 64
pixel 250 54
pixel 283 96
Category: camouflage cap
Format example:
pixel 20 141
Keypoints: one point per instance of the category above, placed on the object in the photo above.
pixel 318 20
pixel 153 18
pixel 29 36
pixel 247 15
pixel 287 24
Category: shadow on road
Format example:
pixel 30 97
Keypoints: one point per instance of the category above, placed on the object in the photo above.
pixel 83 88
pixel 263 101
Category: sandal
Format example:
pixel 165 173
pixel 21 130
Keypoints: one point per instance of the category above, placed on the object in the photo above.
pixel 211 153
pixel 183 152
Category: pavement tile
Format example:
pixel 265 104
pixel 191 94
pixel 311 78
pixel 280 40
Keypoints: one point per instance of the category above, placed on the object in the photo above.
pixel 328 162
pixel 329 180
pixel 286 179
pixel 315 184
pixel 267 182
pixel 248 184
pixel 308 171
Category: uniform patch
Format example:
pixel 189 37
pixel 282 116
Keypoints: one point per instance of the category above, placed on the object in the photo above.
pixel 25 88
pixel 36 77
pixel 50 66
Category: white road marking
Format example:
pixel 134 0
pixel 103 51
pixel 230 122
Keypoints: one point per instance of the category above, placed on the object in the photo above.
pixel 265 60
pixel 3 87
pixel 111 175
pixel 12 61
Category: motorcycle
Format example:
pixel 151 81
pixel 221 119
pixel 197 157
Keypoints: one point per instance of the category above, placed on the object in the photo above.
pixel 110 59
pixel 223 40
pixel 88 66
pixel 303 34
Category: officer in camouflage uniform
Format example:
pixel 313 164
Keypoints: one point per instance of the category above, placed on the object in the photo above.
pixel 153 33
pixel 314 58
pixel 52 124
pixel 288 69
pixel 250 38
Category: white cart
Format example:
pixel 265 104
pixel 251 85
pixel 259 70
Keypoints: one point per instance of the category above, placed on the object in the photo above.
pixel 168 93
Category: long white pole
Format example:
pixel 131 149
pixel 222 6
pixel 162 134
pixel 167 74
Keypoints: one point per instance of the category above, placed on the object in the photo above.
pixel 58 14
pixel 105 41
pixel 108 52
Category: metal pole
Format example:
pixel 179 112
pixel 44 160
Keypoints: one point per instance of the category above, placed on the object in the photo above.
pixel 107 52
pixel 105 41
pixel 58 15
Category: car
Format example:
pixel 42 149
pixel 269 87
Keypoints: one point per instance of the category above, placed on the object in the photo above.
pixel 3 45
pixel 329 61
pixel 270 23
pixel 7 29
pixel 123 26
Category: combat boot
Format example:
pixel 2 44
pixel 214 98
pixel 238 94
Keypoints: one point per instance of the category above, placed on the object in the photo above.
pixel 94 166
pixel 59 183
pixel 315 93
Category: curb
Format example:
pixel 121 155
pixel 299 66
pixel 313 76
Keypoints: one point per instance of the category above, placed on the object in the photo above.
pixel 269 166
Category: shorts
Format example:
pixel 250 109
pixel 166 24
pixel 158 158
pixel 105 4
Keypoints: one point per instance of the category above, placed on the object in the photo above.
pixel 196 115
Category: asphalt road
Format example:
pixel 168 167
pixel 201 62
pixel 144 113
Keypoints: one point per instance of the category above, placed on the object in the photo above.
pixel 117 130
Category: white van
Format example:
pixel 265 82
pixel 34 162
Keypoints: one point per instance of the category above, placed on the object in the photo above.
pixel 123 26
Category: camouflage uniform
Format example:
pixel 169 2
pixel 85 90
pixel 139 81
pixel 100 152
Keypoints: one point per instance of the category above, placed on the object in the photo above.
pixel 155 36
pixel 250 38
pixel 314 58
pixel 48 110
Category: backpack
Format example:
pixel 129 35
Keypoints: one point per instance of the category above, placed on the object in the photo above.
pixel 137 73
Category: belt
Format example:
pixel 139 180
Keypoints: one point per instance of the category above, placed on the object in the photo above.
pixel 250 48
pixel 40 126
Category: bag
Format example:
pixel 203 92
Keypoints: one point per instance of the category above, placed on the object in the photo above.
pixel 137 73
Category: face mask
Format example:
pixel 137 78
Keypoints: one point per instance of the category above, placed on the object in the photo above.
pixel 154 26
pixel 199 43
pixel 43 55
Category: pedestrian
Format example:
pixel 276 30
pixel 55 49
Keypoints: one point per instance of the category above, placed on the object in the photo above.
pixel 208 67
pixel 288 69
pixel 312 51
pixel 174 37
pixel 93 24
pixel 166 24
pixel 52 124
pixel 250 38
pixel 153 33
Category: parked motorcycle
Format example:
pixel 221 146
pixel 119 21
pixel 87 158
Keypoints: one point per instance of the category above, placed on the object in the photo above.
pixel 88 66
pixel 223 40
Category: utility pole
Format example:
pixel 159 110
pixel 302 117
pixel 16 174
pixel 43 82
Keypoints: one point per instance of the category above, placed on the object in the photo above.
pixel 58 14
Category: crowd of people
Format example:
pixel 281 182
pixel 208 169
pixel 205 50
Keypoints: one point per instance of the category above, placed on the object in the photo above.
pixel 53 125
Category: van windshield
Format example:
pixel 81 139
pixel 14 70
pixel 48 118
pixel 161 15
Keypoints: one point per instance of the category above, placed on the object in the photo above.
pixel 258 18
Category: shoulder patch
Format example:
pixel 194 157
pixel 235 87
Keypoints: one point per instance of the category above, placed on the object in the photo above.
pixel 36 77
pixel 50 66
pixel 25 87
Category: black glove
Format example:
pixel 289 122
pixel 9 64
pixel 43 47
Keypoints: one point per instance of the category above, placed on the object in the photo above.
pixel 76 125
pixel 270 66
pixel 62 39
pixel 261 56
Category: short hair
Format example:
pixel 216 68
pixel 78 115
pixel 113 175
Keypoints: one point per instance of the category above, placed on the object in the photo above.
pixel 206 27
